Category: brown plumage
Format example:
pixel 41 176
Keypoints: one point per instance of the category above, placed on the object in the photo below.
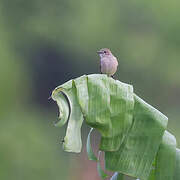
pixel 108 62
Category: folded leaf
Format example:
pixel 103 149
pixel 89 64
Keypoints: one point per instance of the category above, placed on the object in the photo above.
pixel 165 161
pixel 91 155
pixel 110 109
pixel 72 141
pixel 135 156
pixel 64 108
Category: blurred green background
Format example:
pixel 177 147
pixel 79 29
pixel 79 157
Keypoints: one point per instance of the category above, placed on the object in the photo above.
pixel 45 43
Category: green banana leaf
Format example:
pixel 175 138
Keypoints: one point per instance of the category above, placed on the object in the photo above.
pixel 90 153
pixel 177 165
pixel 72 141
pixel 165 160
pixel 136 155
pixel 133 133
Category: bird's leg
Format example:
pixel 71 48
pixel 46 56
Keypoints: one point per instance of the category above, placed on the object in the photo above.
pixel 113 76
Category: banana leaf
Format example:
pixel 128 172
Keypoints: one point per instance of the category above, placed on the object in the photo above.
pixel 133 133
pixel 107 105
pixel 165 160
pixel 138 151
pixel 177 165
pixel 72 141
pixel 90 153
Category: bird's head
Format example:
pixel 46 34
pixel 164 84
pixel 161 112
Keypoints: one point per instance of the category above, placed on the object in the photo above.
pixel 104 52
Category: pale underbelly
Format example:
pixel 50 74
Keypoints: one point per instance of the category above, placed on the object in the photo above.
pixel 108 67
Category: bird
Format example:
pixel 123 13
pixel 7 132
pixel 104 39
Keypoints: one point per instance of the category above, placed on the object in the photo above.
pixel 108 62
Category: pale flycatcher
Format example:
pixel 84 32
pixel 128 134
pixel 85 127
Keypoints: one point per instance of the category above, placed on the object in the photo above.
pixel 108 62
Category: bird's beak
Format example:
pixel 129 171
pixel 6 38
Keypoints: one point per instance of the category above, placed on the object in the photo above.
pixel 99 52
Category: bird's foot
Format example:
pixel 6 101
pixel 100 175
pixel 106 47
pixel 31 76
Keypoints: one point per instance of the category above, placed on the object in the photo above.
pixel 114 77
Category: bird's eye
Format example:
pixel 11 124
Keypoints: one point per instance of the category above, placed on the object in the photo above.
pixel 105 52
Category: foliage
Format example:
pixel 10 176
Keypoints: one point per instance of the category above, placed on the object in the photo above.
pixel 133 133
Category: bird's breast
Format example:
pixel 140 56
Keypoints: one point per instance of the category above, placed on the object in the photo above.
pixel 109 65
